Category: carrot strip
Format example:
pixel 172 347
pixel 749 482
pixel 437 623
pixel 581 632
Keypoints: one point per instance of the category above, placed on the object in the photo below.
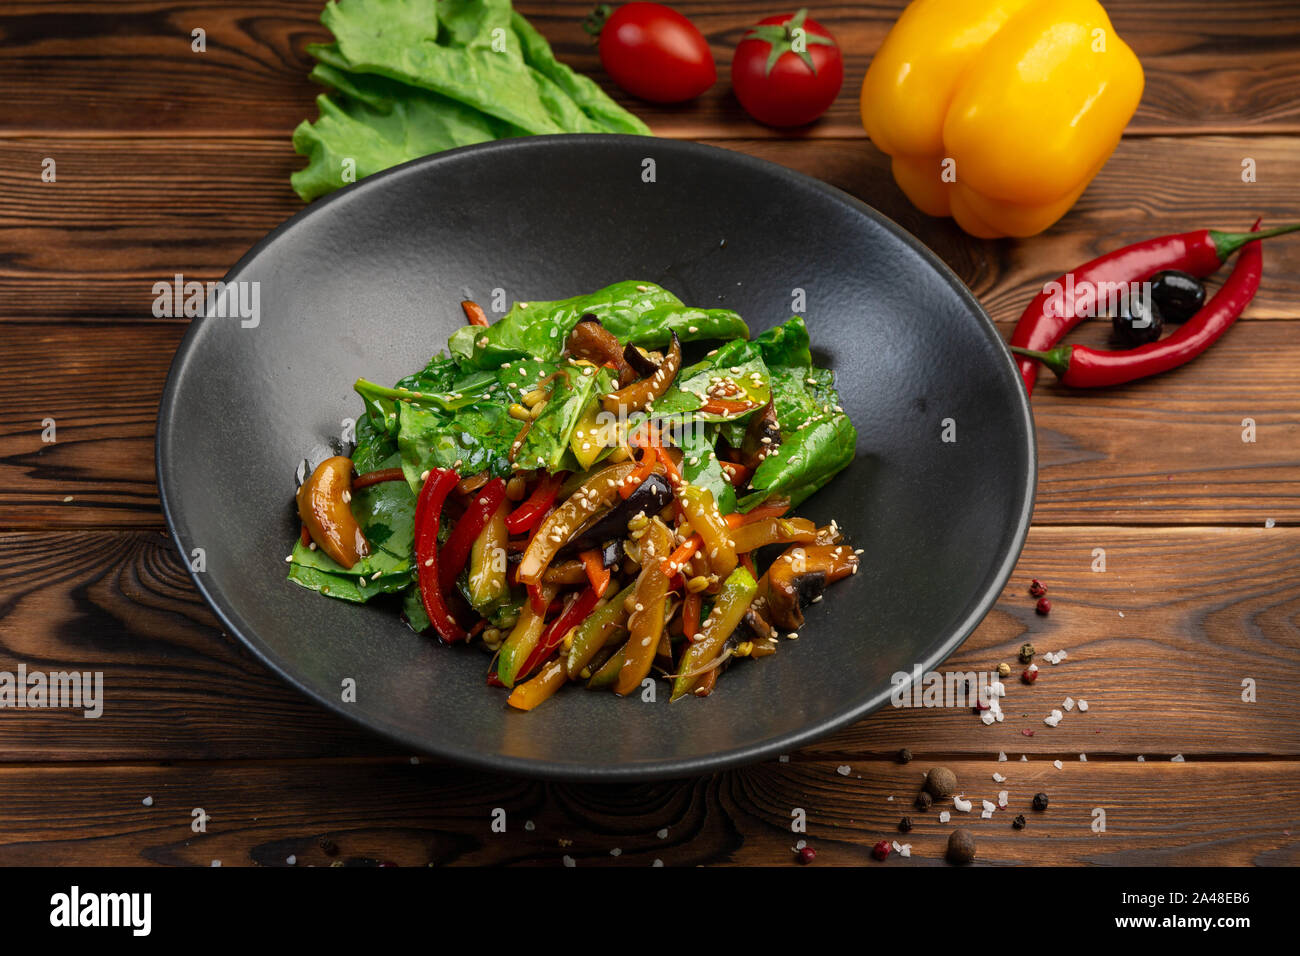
pixel 685 551
pixel 597 574
pixel 474 313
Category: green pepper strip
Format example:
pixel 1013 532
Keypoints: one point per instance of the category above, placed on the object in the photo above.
pixel 592 633
pixel 519 645
pixel 737 594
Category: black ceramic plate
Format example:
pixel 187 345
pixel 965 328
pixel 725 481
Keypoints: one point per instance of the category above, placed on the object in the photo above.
pixel 368 283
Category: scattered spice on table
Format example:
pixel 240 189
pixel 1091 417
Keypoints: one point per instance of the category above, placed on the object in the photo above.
pixel 941 783
pixel 1019 822
pixel 961 847
pixel 1027 653
pixel 1037 588
pixel 1040 801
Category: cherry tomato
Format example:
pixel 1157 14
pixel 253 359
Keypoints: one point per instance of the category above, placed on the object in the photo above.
pixel 787 70
pixel 654 52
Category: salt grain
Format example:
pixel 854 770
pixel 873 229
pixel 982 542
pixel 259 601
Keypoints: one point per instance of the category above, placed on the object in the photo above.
pixel 844 770
pixel 945 816
pixel 1057 764
pixel 147 801
pixel 959 804
pixel 1083 758
pixel 1003 797
pixel 1053 718
pixel 986 815
pixel 662 834
pixel 988 805
pixel 1068 703
pixel 1177 758
pixel 1001 757
pixel 998 778
pixel 569 861
pixel 1083 706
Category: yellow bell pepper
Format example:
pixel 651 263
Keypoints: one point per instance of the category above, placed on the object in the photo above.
pixel 1000 112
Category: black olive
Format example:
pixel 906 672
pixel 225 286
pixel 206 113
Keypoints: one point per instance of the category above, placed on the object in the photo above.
pixel 1178 295
pixel 1137 322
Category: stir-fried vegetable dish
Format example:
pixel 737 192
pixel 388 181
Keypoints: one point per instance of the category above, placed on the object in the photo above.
pixel 565 490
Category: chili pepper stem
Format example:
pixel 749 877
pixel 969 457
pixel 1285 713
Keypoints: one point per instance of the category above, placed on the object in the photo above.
pixel 1057 359
pixel 1226 243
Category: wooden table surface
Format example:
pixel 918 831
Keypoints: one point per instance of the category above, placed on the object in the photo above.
pixel 174 161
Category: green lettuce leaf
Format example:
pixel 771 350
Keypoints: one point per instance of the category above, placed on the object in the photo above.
pixel 640 313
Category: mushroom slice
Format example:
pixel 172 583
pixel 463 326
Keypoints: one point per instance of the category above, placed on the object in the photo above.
pixel 592 341
pixel 799 576
pixel 323 505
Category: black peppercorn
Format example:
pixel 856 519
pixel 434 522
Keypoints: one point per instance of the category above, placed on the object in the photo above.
pixel 905 824
pixel 329 846
pixel 961 847
pixel 1019 821
pixel 923 801
pixel 905 756
pixel 1040 801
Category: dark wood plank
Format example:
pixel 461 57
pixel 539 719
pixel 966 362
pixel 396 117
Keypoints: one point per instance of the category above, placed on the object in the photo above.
pixel 1162 451
pixel 129 66
pixel 129 212
pixel 1202 610
pixel 174 683
pixel 324 812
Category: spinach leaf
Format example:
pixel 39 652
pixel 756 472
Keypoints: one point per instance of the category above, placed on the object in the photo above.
pixel 318 572
pixel 548 439
pixel 470 440
pixel 739 362
pixel 806 460
pixel 386 512
pixel 700 464
pixel 640 313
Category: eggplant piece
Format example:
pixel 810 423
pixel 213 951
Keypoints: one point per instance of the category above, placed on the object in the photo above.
pixel 651 496
pixel 761 426
pixel 641 363
pixel 799 576
pixel 611 553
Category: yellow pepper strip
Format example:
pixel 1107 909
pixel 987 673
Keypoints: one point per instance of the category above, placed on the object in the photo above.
pixel 728 611
pixel 594 495
pixel 523 638
pixel 1000 112
pixel 487 561
pixel 646 622
pixel 706 521
pixel 765 531
pixel 532 692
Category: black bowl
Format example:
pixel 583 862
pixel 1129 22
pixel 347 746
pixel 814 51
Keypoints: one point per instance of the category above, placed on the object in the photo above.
pixel 368 283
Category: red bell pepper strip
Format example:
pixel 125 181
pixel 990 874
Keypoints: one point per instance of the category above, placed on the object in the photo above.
pixel 570 618
pixel 454 554
pixel 529 514
pixel 1083 367
pixel 428 512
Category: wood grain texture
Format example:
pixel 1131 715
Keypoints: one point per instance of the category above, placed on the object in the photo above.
pixel 128 65
pixel 1162 451
pixel 128 212
pixel 1159 645
pixel 365 812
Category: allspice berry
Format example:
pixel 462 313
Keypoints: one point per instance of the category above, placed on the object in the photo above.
pixel 941 783
pixel 961 847
pixel 905 756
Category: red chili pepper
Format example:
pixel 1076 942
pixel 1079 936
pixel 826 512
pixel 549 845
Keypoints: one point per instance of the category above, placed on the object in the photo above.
pixel 375 477
pixel 428 512
pixel 454 554
pixel 531 512
pixel 537 600
pixel 1053 312
pixel 1082 367
pixel 474 313
pixel 569 618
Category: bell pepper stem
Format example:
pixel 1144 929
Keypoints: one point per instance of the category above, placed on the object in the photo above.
pixel 1226 243
pixel 1057 359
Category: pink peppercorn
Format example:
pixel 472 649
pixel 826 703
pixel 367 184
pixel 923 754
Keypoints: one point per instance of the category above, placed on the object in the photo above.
pixel 881 850
pixel 807 854
pixel 1037 588
pixel 1043 606
pixel 1029 676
